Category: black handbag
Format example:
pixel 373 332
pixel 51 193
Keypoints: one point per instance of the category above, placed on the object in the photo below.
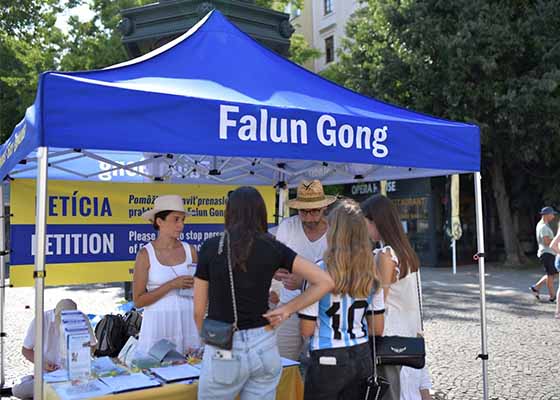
pixel 401 350
pixel 376 386
pixel 219 333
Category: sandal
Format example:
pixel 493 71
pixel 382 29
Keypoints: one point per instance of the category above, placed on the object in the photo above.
pixel 535 292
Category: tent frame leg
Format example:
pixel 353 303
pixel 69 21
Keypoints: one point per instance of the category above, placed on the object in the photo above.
pixel 39 274
pixel 482 281
pixel 282 204
pixel 3 217
pixel 454 255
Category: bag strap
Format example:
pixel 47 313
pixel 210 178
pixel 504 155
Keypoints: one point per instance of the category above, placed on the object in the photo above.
pixel 420 301
pixel 230 270
pixel 374 357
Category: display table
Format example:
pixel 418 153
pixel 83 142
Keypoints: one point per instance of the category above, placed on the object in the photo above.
pixel 289 388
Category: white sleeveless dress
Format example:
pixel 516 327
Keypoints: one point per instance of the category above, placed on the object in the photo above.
pixel 402 309
pixel 402 318
pixel 172 316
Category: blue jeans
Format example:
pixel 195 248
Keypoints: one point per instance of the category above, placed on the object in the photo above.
pixel 253 372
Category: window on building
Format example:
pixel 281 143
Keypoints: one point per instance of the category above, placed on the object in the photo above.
pixel 328 6
pixel 329 49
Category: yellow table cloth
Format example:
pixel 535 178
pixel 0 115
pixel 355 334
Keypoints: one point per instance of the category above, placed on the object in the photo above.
pixel 289 388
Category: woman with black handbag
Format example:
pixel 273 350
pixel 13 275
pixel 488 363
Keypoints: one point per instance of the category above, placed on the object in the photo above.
pixel 398 266
pixel 340 359
pixel 232 283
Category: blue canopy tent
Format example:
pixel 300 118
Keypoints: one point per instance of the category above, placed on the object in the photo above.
pixel 214 106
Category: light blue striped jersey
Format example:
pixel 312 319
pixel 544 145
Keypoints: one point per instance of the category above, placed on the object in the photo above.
pixel 341 319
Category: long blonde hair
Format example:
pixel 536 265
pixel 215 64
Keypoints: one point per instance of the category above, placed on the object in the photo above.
pixel 349 258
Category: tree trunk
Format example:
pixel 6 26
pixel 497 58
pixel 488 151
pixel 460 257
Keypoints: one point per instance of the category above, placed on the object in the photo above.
pixel 514 254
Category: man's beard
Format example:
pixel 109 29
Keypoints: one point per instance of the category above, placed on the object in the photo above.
pixel 311 225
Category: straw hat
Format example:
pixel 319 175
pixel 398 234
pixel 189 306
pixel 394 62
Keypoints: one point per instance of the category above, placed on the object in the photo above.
pixel 310 195
pixel 170 202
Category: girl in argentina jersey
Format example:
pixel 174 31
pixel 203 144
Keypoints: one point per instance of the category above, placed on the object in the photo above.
pixel 340 356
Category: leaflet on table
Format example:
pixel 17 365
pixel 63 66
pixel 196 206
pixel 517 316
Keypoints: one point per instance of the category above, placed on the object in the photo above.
pixel 162 351
pixel 64 335
pixel 78 362
pixel 127 353
pixel 68 315
pixel 164 348
pixel 101 366
pixel 286 362
pixel 124 383
pixel 176 372
pixel 86 390
pixel 59 375
pixel 75 339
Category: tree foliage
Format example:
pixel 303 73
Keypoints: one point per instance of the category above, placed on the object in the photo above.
pixel 30 44
pixel 97 43
pixel 495 64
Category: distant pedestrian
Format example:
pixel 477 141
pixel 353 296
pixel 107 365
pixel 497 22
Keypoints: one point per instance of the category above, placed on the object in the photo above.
pixel 545 253
pixel 555 245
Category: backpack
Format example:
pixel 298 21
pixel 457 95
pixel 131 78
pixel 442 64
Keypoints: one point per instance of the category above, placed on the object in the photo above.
pixel 111 334
pixel 133 321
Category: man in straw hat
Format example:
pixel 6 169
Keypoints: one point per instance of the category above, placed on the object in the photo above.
pixel 51 349
pixel 305 233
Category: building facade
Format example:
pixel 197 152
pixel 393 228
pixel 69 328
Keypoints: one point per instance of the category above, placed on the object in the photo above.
pixel 322 23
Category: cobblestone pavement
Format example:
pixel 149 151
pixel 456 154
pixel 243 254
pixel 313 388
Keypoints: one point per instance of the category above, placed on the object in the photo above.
pixel 523 336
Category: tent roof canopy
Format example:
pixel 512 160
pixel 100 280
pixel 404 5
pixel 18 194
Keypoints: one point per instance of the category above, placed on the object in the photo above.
pixel 214 106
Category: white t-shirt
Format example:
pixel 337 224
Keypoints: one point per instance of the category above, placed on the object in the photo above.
pixel 51 349
pixel 542 231
pixel 51 342
pixel 340 320
pixel 290 232
pixel 414 380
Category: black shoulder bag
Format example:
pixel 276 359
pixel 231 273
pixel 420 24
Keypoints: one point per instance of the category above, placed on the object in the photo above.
pixel 400 350
pixel 219 333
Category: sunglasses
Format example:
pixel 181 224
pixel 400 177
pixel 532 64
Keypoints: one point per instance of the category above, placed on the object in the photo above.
pixel 314 211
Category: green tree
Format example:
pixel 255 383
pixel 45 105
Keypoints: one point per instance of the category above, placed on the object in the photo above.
pixel 97 43
pixel 495 64
pixel 30 43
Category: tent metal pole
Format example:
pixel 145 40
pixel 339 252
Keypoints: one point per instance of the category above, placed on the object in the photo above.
pixel 280 214
pixel 454 255
pixel 2 282
pixel 480 255
pixel 39 274
pixel 282 198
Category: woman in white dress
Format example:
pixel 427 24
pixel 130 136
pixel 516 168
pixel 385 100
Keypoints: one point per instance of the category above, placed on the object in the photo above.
pixel 398 267
pixel 163 275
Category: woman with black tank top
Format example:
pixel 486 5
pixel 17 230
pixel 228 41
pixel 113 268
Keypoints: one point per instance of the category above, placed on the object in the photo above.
pixel 253 367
